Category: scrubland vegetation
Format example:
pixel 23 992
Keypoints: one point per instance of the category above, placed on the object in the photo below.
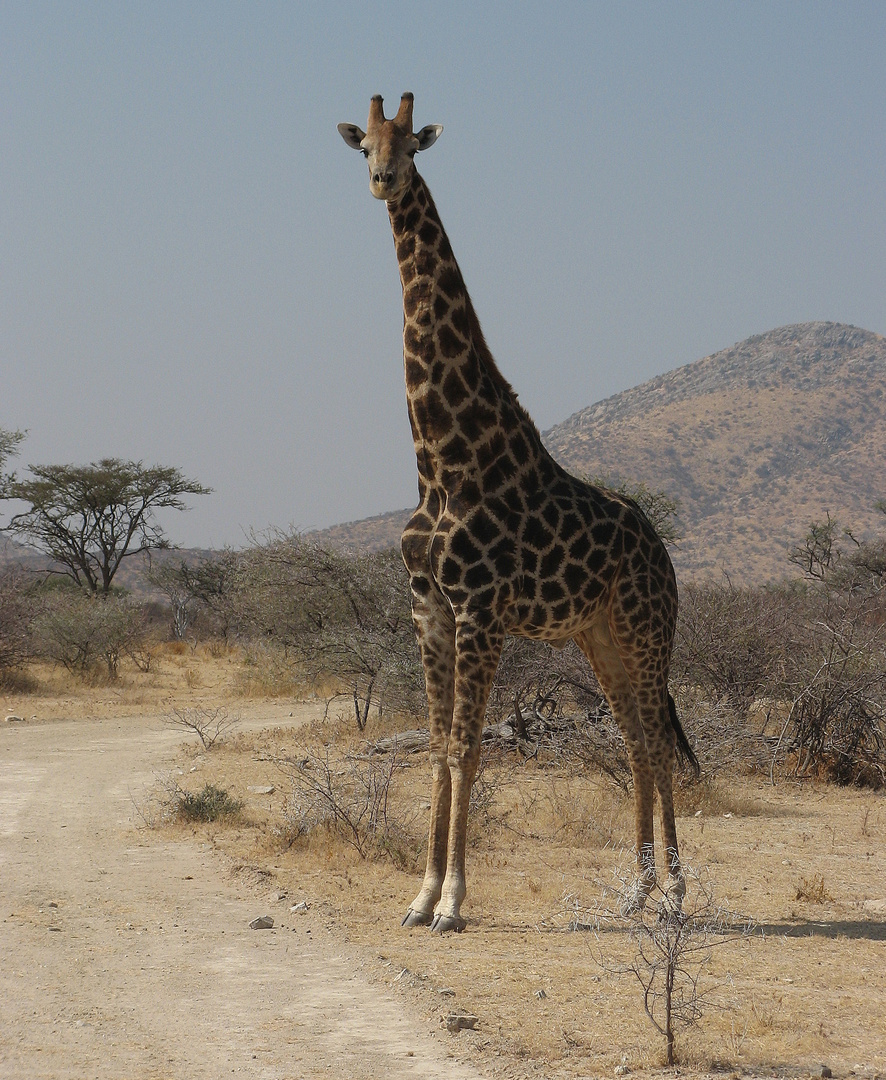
pixel 790 680
pixel 779 685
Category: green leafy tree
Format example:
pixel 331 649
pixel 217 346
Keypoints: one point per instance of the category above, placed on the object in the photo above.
pixel 817 553
pixel 89 518
pixel 9 442
pixel 658 507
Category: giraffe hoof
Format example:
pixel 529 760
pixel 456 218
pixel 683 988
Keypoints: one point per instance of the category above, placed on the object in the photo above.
pixel 632 903
pixel 417 918
pixel 442 924
pixel 670 911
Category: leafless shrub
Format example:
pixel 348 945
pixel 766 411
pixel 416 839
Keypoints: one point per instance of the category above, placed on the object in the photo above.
pixel 209 724
pixel 836 689
pixel 172 581
pixel 208 587
pixel 671 953
pixel 351 797
pixel 17 613
pixel 730 641
pixel 335 615
pixel 724 738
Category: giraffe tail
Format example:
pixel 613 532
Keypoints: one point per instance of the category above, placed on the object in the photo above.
pixel 684 751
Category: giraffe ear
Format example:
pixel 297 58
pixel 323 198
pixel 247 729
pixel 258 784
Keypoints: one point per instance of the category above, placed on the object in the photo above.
pixel 428 135
pixel 352 135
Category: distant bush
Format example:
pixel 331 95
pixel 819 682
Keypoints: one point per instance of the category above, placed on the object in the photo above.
pixel 731 641
pixel 88 634
pixel 17 612
pixel 333 616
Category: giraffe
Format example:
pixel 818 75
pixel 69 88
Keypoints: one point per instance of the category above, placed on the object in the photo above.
pixel 505 541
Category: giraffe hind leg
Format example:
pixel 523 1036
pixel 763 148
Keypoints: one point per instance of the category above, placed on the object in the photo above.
pixel 613 677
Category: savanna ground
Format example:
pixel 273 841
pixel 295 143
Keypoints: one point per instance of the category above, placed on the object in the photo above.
pixel 805 862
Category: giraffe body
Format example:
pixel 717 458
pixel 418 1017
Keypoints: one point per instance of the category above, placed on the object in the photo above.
pixel 505 541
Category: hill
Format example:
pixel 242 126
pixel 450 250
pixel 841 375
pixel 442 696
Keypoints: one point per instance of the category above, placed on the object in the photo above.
pixel 756 442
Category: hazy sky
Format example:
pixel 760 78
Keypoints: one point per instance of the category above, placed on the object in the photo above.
pixel 193 271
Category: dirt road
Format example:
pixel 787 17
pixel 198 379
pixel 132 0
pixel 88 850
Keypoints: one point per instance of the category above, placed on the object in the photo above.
pixel 125 956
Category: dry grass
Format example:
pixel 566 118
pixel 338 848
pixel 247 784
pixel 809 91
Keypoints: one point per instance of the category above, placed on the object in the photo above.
pixel 806 989
pixel 181 674
pixel 801 860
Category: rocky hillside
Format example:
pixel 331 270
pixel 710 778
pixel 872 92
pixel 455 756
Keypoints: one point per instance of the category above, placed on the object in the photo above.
pixel 755 442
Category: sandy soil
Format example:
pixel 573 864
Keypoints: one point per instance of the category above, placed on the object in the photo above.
pixel 129 955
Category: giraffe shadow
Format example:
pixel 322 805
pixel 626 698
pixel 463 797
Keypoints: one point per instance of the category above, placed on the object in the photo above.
pixel 860 929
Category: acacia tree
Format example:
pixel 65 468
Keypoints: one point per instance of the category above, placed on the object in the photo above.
pixel 89 518
pixel 9 441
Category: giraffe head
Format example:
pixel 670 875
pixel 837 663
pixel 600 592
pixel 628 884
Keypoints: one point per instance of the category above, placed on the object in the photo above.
pixel 389 146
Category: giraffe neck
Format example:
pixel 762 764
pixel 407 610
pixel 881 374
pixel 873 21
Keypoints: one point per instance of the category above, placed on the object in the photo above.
pixel 465 417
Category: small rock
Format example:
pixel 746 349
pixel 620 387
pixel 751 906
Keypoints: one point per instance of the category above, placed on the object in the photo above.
pixel 622 1070
pixel 540 994
pixel 261 789
pixel 263 922
pixel 878 907
pixel 446 992
pixel 302 905
pixel 825 1073
pixel 13 719
pixel 456 1022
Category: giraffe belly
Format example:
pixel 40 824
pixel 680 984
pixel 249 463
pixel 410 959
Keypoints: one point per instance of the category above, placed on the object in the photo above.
pixel 556 634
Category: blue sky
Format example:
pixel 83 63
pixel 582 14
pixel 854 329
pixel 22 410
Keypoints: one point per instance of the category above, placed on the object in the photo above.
pixel 194 273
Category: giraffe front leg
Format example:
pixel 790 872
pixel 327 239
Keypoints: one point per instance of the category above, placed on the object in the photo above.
pixel 421 911
pixel 448 910
pixel 478 648
pixel 435 631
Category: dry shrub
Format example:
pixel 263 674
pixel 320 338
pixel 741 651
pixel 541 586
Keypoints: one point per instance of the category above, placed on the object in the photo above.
pixel 209 804
pixel 813 890
pixel 89 635
pixel 730 641
pixel 17 612
pixel 267 671
pixel 209 724
pixel 724 739
pixel 671 952
pixel 836 686
pixel 352 799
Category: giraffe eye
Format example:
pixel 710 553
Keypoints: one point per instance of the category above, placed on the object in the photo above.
pixel 365 153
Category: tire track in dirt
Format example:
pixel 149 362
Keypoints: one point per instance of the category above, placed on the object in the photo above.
pixel 126 956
